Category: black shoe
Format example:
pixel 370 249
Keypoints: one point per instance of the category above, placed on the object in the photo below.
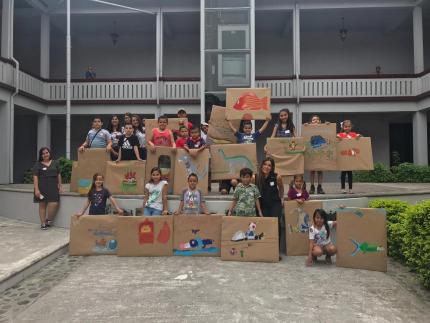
pixel 312 190
pixel 43 227
pixel 48 223
pixel 320 190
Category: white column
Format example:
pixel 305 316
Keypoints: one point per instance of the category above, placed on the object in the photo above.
pixel 420 144
pixel 5 131
pixel 6 35
pixel 45 30
pixel 43 131
pixel 202 61
pixel 418 39
pixel 252 41
pixel 296 65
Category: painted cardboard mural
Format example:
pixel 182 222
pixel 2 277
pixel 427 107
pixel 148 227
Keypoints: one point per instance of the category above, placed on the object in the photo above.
pixel 288 154
pixel 90 161
pixel 219 129
pixel 248 103
pixel 355 154
pixel 145 236
pixel 227 160
pixel 164 158
pixel 125 177
pixel 93 235
pixel 197 235
pixel 249 239
pixel 185 164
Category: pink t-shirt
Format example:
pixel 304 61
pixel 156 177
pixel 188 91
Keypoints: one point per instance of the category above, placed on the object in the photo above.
pixel 162 138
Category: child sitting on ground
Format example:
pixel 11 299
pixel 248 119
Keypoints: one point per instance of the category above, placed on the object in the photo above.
pixel 246 197
pixel 319 238
pixel 195 143
pixel 297 190
pixel 97 137
pixel 192 199
pixel 161 136
pixel 182 138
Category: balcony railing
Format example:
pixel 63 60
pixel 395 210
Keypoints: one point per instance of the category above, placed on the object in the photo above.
pixel 309 88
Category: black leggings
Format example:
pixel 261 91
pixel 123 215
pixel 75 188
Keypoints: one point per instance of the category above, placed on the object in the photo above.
pixel 274 210
pixel 343 177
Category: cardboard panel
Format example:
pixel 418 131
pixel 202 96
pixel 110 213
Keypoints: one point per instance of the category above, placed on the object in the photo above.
pixel 248 104
pixel 197 235
pixel 185 164
pixel 145 236
pixel 74 177
pixel 288 154
pixel 164 158
pixel 125 177
pixel 90 161
pixel 320 151
pixel 228 160
pixel 362 239
pixel 219 129
pixel 93 235
pixel 298 219
pixel 249 239
pixel 355 154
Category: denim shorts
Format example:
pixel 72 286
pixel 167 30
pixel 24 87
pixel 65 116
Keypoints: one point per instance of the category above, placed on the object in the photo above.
pixel 151 211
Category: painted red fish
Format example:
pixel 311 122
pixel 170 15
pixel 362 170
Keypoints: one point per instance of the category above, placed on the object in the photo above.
pixel 249 101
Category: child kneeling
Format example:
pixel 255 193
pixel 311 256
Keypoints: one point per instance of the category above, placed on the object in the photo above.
pixel 319 238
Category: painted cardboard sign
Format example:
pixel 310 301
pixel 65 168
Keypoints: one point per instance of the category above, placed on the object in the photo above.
pixel 228 160
pixel 185 164
pixel 355 154
pixel 248 103
pixel 145 236
pixel 249 239
pixel 320 151
pixel 288 154
pixel 362 239
pixel 163 158
pixel 125 177
pixel 90 161
pixel 197 235
pixel 219 129
pixel 93 235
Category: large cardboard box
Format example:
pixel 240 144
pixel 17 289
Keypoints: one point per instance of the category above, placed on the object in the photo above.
pixel 248 104
pixel 197 235
pixel 228 160
pixel 219 129
pixel 288 154
pixel 249 239
pixel 362 239
pixel 125 177
pixel 74 177
pixel 355 154
pixel 93 235
pixel 90 161
pixel 185 164
pixel 164 158
pixel 145 236
pixel 320 151
pixel 298 219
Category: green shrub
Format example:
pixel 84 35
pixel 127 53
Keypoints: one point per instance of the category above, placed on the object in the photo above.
pixel 381 174
pixel 416 246
pixel 396 217
pixel 28 177
pixel 65 170
pixel 403 173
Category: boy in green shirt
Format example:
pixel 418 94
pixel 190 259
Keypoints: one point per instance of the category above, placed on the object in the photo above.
pixel 246 197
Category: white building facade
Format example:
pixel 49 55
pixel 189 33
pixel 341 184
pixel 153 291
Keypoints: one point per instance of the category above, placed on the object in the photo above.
pixel 368 61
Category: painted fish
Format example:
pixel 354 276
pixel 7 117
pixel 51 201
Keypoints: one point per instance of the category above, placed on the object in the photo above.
pixel 365 247
pixel 317 141
pixel 249 101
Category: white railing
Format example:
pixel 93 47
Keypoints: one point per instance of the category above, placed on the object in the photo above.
pixel 180 90
pixel 31 85
pixel 279 88
pixel 425 83
pixel 7 73
pixel 353 88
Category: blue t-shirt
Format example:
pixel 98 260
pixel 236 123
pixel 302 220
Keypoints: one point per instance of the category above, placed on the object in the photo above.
pixel 98 139
pixel 243 138
pixel 98 202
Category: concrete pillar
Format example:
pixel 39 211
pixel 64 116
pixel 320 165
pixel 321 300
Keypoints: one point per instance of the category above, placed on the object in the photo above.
pixel 43 131
pixel 418 39
pixel 45 30
pixel 420 144
pixel 5 131
pixel 6 35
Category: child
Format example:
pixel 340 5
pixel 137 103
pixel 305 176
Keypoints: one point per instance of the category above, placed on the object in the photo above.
pixel 155 200
pixel 139 132
pixel 183 137
pixel 195 143
pixel 127 120
pixel 246 197
pixel 204 127
pixel 319 238
pixel 192 199
pixel 128 145
pixel 161 136
pixel 247 137
pixel 285 126
pixel 97 137
pixel 297 190
pixel 347 134
pixel 316 120
pixel 114 129
pixel 97 197
pixel 182 114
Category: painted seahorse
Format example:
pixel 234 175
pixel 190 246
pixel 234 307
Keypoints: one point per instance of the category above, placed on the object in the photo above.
pixel 236 163
pixel 192 168
pixel 365 247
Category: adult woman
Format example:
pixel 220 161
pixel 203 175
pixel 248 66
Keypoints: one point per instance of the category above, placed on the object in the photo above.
pixel 47 186
pixel 272 191
pixel 139 132
pixel 114 129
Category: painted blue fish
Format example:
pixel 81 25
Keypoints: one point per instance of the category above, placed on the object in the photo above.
pixel 317 141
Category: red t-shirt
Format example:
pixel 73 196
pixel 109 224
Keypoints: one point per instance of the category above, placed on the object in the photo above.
pixel 162 138
pixel 349 135
pixel 180 142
